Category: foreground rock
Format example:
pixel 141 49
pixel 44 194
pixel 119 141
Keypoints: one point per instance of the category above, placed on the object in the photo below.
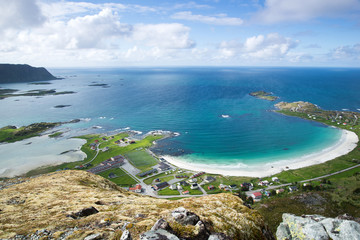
pixel 316 227
pixel 49 198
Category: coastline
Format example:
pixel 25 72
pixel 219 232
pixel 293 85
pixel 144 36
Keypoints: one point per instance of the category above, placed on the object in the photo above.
pixel 22 156
pixel 346 144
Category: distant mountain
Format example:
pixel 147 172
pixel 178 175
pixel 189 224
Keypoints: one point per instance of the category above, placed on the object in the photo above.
pixel 11 73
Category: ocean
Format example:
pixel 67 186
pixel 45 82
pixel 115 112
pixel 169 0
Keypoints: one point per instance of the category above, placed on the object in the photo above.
pixel 195 102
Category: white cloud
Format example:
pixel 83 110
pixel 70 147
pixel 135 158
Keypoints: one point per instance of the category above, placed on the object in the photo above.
pixel 97 37
pixel 20 14
pixel 221 19
pixel 301 10
pixel 346 52
pixel 65 9
pixel 269 47
pixel 165 35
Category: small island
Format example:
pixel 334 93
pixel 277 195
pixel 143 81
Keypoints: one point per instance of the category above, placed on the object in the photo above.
pixel 62 106
pixel 264 95
pixel 6 93
pixel 11 134
pixel 104 85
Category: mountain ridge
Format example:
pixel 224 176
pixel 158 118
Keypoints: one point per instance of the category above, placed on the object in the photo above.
pixel 15 73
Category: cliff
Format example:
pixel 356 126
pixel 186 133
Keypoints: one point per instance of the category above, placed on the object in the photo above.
pixel 10 73
pixel 55 205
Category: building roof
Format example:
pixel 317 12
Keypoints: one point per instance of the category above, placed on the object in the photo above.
pixel 257 194
pixel 137 187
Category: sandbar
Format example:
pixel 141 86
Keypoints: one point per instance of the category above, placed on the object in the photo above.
pixel 23 156
pixel 346 144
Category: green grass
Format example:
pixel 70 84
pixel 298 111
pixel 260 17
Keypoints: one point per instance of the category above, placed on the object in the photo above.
pixel 54 135
pixel 122 179
pixel 162 176
pixel 115 150
pixel 167 191
pixel 192 191
pixel 141 159
pixel 11 134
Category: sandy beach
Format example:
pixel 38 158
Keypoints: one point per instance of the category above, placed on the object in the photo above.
pixel 346 144
pixel 20 157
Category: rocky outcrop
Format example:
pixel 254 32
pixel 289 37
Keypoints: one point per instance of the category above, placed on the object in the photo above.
pixel 10 73
pixel 121 215
pixel 316 227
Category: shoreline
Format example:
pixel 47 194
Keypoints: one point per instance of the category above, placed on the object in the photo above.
pixel 346 144
pixel 33 154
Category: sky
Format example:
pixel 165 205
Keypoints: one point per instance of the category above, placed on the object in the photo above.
pixel 110 33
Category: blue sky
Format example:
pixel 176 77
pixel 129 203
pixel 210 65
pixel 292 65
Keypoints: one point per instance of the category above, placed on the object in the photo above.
pixel 101 33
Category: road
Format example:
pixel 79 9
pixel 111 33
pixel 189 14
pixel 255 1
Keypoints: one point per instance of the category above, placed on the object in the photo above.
pixel 248 193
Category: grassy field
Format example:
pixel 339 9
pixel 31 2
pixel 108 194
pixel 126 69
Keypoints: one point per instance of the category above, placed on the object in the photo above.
pixel 192 191
pixel 167 191
pixel 141 159
pixel 162 176
pixel 122 179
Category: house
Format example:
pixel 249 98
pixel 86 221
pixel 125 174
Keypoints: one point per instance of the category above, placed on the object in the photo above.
pixel 117 157
pixel 264 183
pixel 292 188
pixel 197 174
pixel 161 185
pixel 88 165
pixel 275 179
pixel 247 185
pixel 179 187
pixel 233 186
pixel 194 186
pixel 193 180
pixel 222 186
pixel 163 167
pixel 209 179
pixel 136 189
pixel 183 183
pixel 281 190
pixel 186 192
pixel 112 175
pixel 256 195
pixel 104 139
pixel 211 187
pixel 154 170
pixel 132 142
pixel 173 187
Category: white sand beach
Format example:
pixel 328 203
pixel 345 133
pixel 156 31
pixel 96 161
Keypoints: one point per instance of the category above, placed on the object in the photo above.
pixel 346 144
pixel 20 157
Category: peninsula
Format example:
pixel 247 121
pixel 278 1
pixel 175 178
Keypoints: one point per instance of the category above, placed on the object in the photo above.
pixel 264 95
pixel 12 73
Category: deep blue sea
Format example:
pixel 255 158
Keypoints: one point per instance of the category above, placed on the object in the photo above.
pixel 191 101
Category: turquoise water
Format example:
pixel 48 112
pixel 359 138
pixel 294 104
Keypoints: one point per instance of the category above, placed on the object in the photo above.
pixel 191 101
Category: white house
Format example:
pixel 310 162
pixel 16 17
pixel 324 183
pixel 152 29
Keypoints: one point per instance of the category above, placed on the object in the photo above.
pixel 275 179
